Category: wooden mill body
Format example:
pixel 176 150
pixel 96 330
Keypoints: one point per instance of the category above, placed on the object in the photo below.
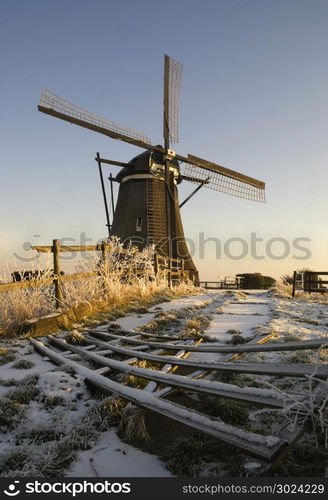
pixel 141 211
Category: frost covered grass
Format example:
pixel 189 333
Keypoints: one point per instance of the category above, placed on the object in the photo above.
pixel 23 364
pixel 112 292
pixel 23 394
pixel 132 424
pixel 228 410
pixel 118 284
pixel 195 327
pixel 43 430
pixel 184 323
pixel 309 456
pixel 186 456
pixel 75 337
pixel 304 460
pixel 197 455
pixel 14 405
pixel 284 291
pixel 48 449
pixel 19 305
pixel 107 413
pixel 6 355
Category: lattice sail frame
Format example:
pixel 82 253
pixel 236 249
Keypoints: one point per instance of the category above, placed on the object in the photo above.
pixel 223 184
pixel 172 85
pixel 53 102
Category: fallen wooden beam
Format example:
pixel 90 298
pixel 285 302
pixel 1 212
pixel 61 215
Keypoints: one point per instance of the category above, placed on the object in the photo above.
pixel 250 394
pixel 279 346
pixel 169 368
pixel 259 339
pixel 281 369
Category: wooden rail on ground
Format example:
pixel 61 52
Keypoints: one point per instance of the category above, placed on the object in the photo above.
pixel 162 264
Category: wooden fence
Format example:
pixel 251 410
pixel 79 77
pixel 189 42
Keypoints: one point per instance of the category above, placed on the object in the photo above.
pixel 309 281
pixel 172 268
pixel 118 350
pixel 225 284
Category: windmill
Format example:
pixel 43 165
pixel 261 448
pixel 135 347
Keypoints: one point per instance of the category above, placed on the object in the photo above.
pixel 147 208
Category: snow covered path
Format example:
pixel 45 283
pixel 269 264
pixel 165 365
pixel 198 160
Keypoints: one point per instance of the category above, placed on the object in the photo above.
pixel 241 314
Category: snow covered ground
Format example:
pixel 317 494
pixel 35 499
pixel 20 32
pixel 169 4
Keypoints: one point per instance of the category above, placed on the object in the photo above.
pixel 132 321
pixel 238 314
pixel 56 401
pixel 112 457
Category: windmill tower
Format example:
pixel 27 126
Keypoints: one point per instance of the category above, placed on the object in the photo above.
pixel 147 209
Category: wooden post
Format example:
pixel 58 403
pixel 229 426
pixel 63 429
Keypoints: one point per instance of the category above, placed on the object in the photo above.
pixel 103 250
pixel 155 263
pixel 306 281
pixel 102 272
pixel 169 274
pixel 57 283
pixel 294 283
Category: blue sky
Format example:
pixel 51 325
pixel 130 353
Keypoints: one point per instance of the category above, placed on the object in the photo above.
pixel 254 98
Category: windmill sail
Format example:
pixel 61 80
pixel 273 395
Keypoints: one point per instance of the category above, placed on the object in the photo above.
pixel 223 179
pixel 172 83
pixel 54 105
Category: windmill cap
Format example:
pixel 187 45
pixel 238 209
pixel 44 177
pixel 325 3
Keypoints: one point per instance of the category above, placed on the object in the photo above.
pixel 142 163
